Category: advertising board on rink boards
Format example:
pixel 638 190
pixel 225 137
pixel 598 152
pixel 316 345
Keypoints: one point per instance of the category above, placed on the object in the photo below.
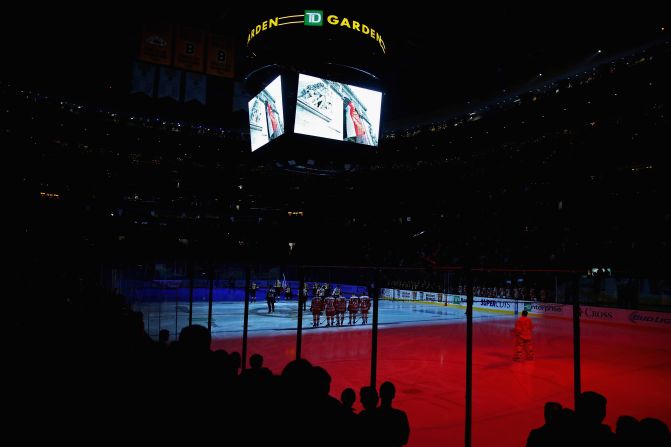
pixel 631 317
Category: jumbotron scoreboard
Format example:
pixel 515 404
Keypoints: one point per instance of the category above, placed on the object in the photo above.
pixel 314 73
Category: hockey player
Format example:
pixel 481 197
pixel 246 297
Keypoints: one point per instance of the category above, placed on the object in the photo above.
pixel 252 292
pixel 364 305
pixel 304 297
pixel 353 308
pixel 522 332
pixel 329 308
pixel 341 308
pixel 316 309
pixel 278 289
pixel 270 299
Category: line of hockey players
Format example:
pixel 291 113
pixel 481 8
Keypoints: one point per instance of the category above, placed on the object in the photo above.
pixel 325 301
pixel 336 305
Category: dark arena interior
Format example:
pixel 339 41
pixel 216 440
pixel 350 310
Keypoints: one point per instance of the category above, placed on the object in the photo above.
pixel 347 225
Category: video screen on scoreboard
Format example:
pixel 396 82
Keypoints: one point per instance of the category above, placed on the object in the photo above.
pixel 337 111
pixel 266 116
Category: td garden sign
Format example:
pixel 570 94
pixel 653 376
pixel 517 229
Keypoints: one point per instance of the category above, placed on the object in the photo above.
pixel 317 18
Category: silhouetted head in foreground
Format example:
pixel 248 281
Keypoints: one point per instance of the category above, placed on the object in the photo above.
pixel 387 393
pixel 256 361
pixel 195 338
pixel 347 397
pixel 368 397
pixel 591 407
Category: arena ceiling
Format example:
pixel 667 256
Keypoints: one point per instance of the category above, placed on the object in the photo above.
pixel 439 60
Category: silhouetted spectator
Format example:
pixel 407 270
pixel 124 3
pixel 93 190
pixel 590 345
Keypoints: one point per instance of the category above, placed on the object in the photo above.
pixel 627 431
pixel 394 426
pixel 327 406
pixel 348 397
pixel 550 434
pixel 590 412
pixel 256 371
pixel 295 375
pixel 220 363
pixel 654 433
pixel 368 426
pixel 195 339
pixel 163 339
pixel 232 367
pixel 256 361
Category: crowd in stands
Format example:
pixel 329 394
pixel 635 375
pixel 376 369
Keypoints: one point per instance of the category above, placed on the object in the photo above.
pixel 568 174
pixel 584 426
pixel 507 292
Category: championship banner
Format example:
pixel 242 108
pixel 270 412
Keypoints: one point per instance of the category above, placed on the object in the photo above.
pixel 169 83
pixel 220 56
pixel 143 78
pixel 156 44
pixel 195 87
pixel 190 49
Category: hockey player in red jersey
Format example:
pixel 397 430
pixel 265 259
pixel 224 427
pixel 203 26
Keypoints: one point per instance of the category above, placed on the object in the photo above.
pixel 364 305
pixel 329 308
pixel 353 308
pixel 522 332
pixel 341 308
pixel 316 309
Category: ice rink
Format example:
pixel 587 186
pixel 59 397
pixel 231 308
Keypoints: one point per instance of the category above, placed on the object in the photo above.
pixel 422 350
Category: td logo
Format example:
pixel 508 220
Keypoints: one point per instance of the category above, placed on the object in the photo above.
pixel 314 18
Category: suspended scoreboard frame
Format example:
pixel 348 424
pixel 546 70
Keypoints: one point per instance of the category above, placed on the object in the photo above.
pixel 328 64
